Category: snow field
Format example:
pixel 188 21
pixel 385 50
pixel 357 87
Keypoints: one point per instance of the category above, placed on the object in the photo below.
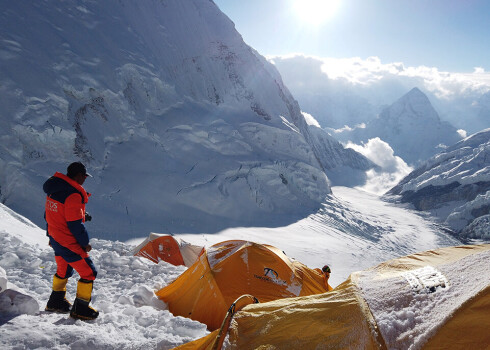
pixel 131 316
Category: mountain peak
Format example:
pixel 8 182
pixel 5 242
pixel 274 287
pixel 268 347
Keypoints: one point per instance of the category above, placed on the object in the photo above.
pixel 417 99
pixel 414 105
pixel 413 128
pixel 415 91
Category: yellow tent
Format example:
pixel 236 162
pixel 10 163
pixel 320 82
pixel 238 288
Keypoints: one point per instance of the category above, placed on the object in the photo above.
pixel 437 299
pixel 227 270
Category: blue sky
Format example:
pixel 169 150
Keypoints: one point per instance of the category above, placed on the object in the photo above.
pixel 451 35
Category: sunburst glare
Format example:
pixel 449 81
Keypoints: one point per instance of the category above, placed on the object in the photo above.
pixel 315 12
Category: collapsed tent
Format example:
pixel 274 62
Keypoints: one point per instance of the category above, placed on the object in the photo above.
pixel 227 270
pixel 437 299
pixel 175 251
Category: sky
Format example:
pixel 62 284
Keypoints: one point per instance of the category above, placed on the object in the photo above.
pixel 451 35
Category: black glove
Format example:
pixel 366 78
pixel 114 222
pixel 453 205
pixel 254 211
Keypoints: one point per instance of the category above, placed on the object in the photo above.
pixel 88 217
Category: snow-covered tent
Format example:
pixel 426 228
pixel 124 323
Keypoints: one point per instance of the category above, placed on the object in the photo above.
pixel 227 270
pixel 175 251
pixel 437 299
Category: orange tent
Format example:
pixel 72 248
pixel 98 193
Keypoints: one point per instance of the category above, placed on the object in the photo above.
pixel 165 247
pixel 227 270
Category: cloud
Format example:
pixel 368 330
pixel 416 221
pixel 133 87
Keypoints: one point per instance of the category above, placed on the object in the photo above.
pixel 310 120
pixel 391 169
pixel 371 71
pixel 348 128
pixel 462 133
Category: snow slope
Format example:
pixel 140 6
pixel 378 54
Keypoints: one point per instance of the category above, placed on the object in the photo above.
pixel 352 232
pixel 454 186
pixel 183 125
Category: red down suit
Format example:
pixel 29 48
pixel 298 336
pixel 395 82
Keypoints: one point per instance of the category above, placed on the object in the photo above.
pixel 65 215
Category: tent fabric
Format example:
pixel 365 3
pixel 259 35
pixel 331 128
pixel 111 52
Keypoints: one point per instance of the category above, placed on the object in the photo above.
pixel 415 297
pixel 469 328
pixel 227 270
pixel 437 299
pixel 334 320
pixel 158 247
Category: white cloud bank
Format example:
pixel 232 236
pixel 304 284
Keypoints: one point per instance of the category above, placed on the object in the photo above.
pixel 371 71
pixel 391 168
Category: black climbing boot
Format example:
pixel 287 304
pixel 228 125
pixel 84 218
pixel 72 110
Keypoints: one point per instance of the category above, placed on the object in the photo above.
pixel 81 309
pixel 57 300
pixel 58 303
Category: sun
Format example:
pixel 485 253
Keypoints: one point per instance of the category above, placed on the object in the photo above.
pixel 315 12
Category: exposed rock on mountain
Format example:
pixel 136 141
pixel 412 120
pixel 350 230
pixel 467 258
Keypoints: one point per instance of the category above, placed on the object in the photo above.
pixel 455 186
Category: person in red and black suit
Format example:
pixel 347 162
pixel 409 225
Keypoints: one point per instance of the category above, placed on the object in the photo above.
pixel 65 216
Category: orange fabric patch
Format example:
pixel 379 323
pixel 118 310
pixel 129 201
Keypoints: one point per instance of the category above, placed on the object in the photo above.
pixel 74 209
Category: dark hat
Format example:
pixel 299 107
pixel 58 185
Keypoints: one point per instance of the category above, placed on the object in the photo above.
pixel 76 168
pixel 326 268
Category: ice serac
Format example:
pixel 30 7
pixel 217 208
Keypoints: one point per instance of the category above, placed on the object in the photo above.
pixel 183 125
pixel 455 186
pixel 412 127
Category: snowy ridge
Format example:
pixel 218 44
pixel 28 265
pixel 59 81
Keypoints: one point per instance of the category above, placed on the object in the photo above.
pixel 454 185
pixel 472 218
pixel 465 162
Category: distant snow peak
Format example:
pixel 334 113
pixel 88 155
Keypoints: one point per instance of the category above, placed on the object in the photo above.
pixel 412 128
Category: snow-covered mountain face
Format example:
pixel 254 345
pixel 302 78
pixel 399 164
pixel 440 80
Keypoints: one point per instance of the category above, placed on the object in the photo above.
pixel 412 127
pixel 455 186
pixel 183 125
